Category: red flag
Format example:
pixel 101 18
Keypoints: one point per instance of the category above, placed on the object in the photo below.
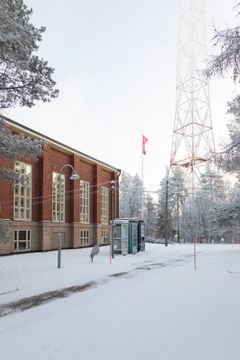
pixel 144 141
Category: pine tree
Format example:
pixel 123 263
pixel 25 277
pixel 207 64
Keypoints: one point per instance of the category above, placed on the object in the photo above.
pixel 177 196
pixel 130 195
pixel 229 159
pixel 227 60
pixel 24 77
pixel 124 194
pixel 135 198
pixel 15 147
pixel 228 215
pixel 150 217
pixel 161 210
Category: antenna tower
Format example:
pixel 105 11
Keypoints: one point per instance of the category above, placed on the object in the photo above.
pixel 192 141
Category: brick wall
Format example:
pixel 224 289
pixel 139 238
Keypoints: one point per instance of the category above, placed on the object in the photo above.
pixel 43 229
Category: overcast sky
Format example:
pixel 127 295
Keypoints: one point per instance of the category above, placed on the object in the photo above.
pixel 115 66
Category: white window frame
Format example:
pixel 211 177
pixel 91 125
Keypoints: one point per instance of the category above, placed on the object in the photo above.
pixel 27 240
pixel 84 202
pixel 105 237
pixel 104 205
pixel 85 237
pixel 23 192
pixel 55 197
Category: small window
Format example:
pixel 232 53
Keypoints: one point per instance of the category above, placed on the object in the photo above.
pixel 117 230
pixel 22 240
pixel 84 238
pixel 104 237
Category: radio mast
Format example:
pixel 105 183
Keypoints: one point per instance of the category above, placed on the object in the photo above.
pixel 192 141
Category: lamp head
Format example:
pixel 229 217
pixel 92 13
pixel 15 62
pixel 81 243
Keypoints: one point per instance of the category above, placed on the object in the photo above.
pixel 112 182
pixel 74 176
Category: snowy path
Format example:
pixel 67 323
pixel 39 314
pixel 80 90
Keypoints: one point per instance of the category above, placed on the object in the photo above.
pixel 35 273
pixel 27 303
pixel 166 312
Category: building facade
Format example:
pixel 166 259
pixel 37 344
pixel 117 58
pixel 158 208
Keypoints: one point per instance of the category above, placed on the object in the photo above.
pixel 45 201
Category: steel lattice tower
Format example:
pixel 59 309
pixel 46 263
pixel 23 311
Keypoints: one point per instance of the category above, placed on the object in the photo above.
pixel 192 142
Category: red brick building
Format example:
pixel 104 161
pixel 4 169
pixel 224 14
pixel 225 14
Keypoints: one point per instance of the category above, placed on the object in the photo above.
pixel 33 205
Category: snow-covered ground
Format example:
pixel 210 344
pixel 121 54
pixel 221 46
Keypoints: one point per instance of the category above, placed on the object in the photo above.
pixel 152 305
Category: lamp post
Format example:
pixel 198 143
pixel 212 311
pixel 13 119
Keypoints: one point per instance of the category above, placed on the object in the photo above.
pixel 178 227
pixel 113 215
pixel 73 176
pixel 166 210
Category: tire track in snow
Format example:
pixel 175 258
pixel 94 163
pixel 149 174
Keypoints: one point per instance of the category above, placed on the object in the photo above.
pixel 40 299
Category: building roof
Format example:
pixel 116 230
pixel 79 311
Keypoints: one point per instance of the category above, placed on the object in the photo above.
pixel 22 129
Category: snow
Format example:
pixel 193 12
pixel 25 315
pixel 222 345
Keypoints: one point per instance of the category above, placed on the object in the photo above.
pixel 161 308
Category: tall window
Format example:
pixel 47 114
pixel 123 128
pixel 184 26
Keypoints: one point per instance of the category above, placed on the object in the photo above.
pixel 84 202
pixel 55 197
pixel 23 192
pixel 22 240
pixel 105 205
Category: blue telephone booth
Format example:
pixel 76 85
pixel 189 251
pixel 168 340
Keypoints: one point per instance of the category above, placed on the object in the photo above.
pixel 133 237
pixel 141 235
pixel 120 236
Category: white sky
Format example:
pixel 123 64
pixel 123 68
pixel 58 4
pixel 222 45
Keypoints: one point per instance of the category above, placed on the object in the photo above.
pixel 115 66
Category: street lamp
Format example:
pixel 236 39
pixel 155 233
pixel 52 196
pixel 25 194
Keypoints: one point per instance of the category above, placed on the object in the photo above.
pixel 113 216
pixel 73 176
pixel 166 209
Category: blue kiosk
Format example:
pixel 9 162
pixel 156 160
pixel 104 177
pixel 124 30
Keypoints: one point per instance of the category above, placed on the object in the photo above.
pixel 120 236
pixel 141 235
pixel 128 235
pixel 132 236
